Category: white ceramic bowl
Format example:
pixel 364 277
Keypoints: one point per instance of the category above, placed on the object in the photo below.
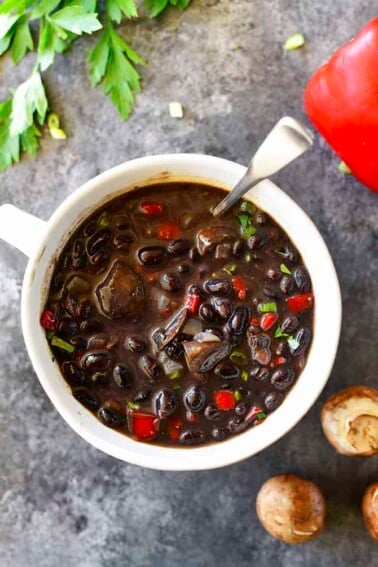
pixel 43 241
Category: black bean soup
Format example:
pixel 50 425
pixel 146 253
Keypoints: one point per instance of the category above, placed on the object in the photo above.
pixel 174 327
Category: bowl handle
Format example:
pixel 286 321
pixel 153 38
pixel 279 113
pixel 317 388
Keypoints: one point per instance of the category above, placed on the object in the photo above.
pixel 22 230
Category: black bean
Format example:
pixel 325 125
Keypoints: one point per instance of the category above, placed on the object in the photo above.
pixel 152 255
pixel 262 375
pixel 135 344
pixel 238 248
pixel 272 293
pixel 192 437
pixel 178 247
pixel 100 260
pixel 207 313
pixel 236 424
pixel 142 395
pixel 123 241
pixel 72 373
pixel 165 403
pixel 79 342
pixel 194 398
pixel 282 378
pixel 196 290
pixel 183 269
pixel 98 241
pixel 290 324
pixel 240 408
pixel 303 337
pixel 91 326
pixel 86 398
pixel 302 280
pixel 274 274
pixel 261 218
pixel 67 327
pixel 218 286
pixel 226 370
pixel 218 433
pixel 223 307
pixel 283 349
pixel 99 378
pixel 287 285
pixel 257 240
pixel 169 282
pixel 90 228
pixel 212 413
pixel 260 342
pixel 150 366
pixel 99 360
pixel 239 320
pixel 194 255
pixel 77 254
pixel 174 350
pixel 122 376
pixel 273 400
pixel 109 416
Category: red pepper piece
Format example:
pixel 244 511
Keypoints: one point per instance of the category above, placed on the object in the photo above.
pixel 151 208
pixel 48 320
pixel 224 400
pixel 240 287
pixel 268 320
pixel 300 302
pixel 174 428
pixel 193 303
pixel 143 426
pixel 277 361
pixel 166 312
pixel 341 101
pixel 254 321
pixel 168 231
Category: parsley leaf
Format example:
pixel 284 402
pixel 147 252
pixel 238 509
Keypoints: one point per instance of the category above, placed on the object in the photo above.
pixel 246 226
pixel 76 20
pixel 22 40
pixel 158 6
pixel 115 9
pixel 279 332
pixel 28 99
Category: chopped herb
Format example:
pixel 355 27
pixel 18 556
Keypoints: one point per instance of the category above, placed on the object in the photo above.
pixel 176 374
pixel 50 334
pixel 247 207
pixel 294 42
pixel 60 343
pixel 237 395
pixel 133 405
pixel 231 269
pixel 279 332
pixel 344 168
pixel 246 225
pixel 239 358
pixel 285 270
pixel 261 415
pixel 293 343
pixel 103 220
pixel 176 386
pixel 244 375
pixel 280 253
pixel 268 307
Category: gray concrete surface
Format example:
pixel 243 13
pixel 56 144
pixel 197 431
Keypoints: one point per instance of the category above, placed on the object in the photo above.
pixel 63 503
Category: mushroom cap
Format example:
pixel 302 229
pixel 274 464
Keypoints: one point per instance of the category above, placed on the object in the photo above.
pixel 350 421
pixel 370 510
pixel 291 508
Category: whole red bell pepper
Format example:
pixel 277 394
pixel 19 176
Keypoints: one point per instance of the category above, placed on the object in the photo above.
pixel 341 100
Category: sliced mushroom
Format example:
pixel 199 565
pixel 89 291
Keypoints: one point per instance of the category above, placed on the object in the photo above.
pixel 370 510
pixel 204 356
pixel 207 238
pixel 350 421
pixel 162 337
pixel 291 508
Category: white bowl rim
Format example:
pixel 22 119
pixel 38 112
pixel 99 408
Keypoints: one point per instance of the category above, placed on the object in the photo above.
pixel 297 402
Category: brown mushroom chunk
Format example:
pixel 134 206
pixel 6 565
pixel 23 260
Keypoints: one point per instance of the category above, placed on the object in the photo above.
pixel 121 294
pixel 370 510
pixel 204 356
pixel 350 421
pixel 207 238
pixel 291 508
pixel 163 336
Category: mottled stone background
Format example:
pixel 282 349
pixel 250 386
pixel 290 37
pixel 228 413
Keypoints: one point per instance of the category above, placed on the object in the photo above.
pixel 63 503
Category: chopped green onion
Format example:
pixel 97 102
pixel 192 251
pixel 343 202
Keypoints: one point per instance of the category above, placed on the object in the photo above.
pixel 238 357
pixel 285 270
pixel 103 220
pixel 294 42
pixel 246 225
pixel 293 343
pixel 50 334
pixel 344 168
pixel 247 207
pixel 176 386
pixel 133 405
pixel 268 307
pixel 176 374
pixel 261 415
pixel 60 343
pixel 244 375
pixel 280 252
pixel 231 269
pixel 279 333
pixel 237 395
pixel 249 231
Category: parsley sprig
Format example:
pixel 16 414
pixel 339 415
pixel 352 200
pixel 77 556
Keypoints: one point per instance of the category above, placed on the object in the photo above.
pixel 49 27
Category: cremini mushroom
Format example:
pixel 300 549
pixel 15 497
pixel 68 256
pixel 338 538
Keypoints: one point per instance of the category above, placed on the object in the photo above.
pixel 370 510
pixel 350 421
pixel 291 508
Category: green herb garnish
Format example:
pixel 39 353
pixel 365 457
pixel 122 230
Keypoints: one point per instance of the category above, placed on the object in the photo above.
pixel 157 6
pixel 279 332
pixel 176 374
pixel 50 334
pixel 268 307
pixel 231 269
pixel 133 405
pixel 284 269
pixel 246 226
pixel 60 343
pixel 244 375
pixel 247 207
pixel 238 357
pixel 294 42
pixel 293 343
pixel 261 415
pixel 237 395
pixel 103 220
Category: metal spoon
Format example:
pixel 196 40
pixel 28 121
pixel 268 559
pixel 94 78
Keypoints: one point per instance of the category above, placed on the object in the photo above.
pixel 285 142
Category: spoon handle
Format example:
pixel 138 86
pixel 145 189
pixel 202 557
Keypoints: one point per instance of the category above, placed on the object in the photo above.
pixel 245 184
